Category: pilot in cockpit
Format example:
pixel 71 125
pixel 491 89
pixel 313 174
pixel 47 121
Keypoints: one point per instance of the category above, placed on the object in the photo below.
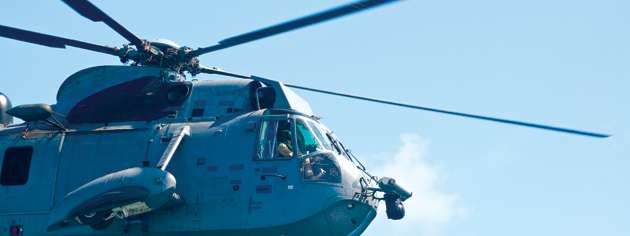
pixel 285 150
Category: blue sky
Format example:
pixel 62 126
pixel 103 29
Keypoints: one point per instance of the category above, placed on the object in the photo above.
pixel 557 62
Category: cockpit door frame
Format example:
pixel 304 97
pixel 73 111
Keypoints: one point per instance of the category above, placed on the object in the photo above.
pixel 272 195
pixel 271 118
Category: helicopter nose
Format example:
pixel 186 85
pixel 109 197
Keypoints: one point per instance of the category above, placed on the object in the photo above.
pixel 350 217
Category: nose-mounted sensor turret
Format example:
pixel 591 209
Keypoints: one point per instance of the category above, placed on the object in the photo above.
pixel 394 197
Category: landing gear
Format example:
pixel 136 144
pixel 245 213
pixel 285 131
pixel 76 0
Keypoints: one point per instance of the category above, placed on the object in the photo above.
pixel 98 220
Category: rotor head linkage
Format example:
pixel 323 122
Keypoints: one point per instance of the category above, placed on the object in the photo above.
pixel 142 52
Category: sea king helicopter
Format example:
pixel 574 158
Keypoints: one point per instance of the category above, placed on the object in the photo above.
pixel 139 149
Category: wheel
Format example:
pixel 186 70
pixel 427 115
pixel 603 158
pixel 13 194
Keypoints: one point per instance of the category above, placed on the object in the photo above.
pixel 97 220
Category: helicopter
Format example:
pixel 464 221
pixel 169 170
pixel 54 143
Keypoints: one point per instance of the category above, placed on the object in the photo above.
pixel 141 149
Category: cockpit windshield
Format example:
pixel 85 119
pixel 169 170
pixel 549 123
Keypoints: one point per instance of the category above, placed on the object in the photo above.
pixel 320 135
pixel 306 140
pixel 313 147
pixel 311 137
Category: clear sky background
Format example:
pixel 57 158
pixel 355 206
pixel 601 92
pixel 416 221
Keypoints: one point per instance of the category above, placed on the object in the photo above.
pixel 560 62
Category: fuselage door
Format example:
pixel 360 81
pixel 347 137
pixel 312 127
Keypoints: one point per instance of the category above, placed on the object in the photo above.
pixel 274 172
pixel 29 167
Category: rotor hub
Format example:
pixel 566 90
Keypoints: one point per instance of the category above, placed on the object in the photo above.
pixel 161 53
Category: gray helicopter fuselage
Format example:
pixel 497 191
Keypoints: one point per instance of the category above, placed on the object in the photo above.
pixel 139 150
pixel 227 184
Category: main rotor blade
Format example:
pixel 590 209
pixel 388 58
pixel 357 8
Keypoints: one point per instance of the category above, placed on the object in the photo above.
pixel 88 10
pixel 293 25
pixel 487 118
pixel 52 41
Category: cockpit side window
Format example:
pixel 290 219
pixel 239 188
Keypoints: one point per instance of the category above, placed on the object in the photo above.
pixel 318 161
pixel 274 140
pixel 266 140
pixel 321 167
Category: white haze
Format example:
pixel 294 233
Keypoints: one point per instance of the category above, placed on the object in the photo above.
pixel 430 208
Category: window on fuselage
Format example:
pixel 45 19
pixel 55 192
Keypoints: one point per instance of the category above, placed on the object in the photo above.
pixel 274 140
pixel 16 166
pixel 320 135
pixel 307 142
pixel 320 167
